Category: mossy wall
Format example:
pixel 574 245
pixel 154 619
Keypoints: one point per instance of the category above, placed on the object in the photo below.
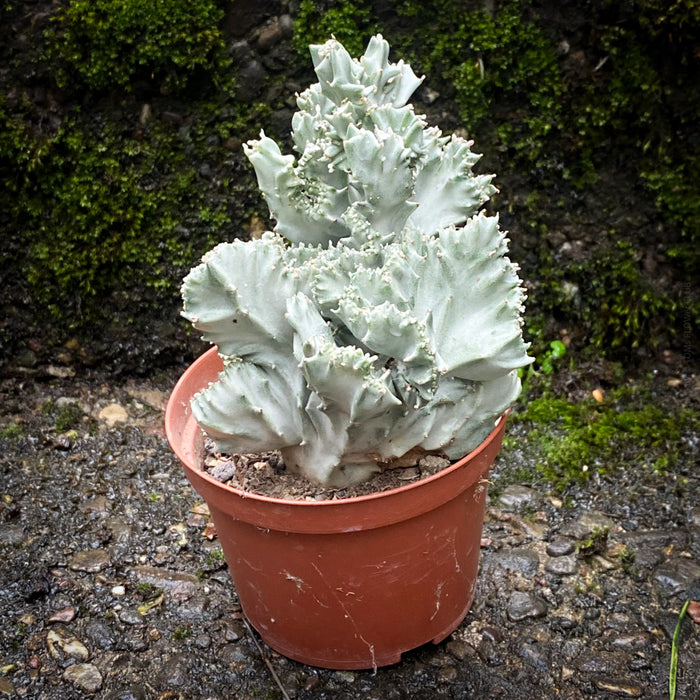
pixel 585 103
pixel 121 164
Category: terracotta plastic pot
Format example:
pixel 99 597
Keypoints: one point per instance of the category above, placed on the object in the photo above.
pixel 350 583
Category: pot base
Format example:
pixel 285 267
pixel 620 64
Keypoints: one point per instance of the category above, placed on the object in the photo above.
pixel 372 660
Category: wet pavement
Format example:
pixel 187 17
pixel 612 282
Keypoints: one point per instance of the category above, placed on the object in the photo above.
pixel 112 582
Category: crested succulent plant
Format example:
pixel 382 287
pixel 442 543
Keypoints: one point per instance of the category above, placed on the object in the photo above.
pixel 381 317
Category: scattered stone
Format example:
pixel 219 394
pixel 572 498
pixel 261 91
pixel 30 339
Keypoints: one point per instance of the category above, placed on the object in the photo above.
pixel 521 560
pixel 203 641
pixel 112 415
pixel 428 95
pixel 120 528
pixel 37 586
pixel 233 656
pixel 535 655
pixel 270 35
pixel 129 616
pixel 525 604
pixel 194 608
pixel 604 563
pixel 561 546
pixel 232 631
pixel 631 642
pixel 60 644
pixel 252 80
pixel 135 641
pixel 224 471
pixel 92 561
pixel 677 575
pixel 174 672
pixel 563 622
pixel 587 524
pixel 100 634
pixel 620 687
pixel 518 497
pixel 447 674
pixel 345 676
pixel 178 584
pixel 562 566
pixel 286 24
pixel 460 650
pixel 145 113
pixel 492 633
pixel 76 649
pixel 60 372
pixel 649 546
pixel 618 621
pixel 133 692
pixel 151 397
pixel 65 615
pixel 172 117
pixel 85 676
pixel 11 534
pixel 695 517
pixel 98 504
pixel 600 662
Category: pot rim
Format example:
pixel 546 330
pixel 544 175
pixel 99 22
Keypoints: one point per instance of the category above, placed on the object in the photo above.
pixel 338 515
pixel 175 442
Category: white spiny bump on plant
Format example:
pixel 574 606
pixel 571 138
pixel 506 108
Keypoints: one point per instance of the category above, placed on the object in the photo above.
pixel 382 315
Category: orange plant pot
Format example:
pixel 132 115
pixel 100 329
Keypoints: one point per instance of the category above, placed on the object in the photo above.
pixel 350 583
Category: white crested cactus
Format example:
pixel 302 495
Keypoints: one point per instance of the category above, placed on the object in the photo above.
pixel 382 316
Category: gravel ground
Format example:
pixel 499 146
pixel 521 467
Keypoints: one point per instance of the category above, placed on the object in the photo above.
pixel 112 583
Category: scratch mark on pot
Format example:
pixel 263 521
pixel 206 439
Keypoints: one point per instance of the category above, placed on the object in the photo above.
pixel 438 592
pixel 348 616
pixel 303 587
pixel 299 582
pixel 480 489
pixel 453 544
pixel 249 564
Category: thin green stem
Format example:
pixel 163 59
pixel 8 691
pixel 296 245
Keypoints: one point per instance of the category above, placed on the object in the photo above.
pixel 674 653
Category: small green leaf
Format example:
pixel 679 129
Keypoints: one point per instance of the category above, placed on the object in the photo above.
pixel 674 653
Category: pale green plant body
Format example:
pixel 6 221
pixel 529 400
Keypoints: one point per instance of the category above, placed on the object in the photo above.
pixel 381 316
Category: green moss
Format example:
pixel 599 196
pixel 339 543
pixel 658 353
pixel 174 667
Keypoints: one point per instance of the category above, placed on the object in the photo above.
pixel 103 210
pixel 571 441
pixel 96 220
pixel 111 43
pixel 595 543
pixel 627 557
pixel 609 303
pixel 620 307
pixel 639 99
pixel 675 183
pixel 215 558
pixel 182 632
pixel 501 65
pixel 69 416
pixel 11 432
pixel 351 23
pixel 148 591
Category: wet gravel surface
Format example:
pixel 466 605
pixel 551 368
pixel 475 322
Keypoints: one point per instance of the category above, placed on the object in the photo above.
pixel 112 583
